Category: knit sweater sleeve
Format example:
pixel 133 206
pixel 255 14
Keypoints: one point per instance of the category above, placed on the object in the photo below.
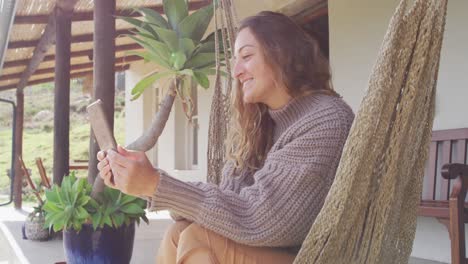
pixel 287 194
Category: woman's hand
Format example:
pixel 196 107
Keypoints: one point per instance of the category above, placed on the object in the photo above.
pixel 133 172
pixel 105 171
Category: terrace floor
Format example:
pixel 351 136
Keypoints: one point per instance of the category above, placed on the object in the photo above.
pixel 15 250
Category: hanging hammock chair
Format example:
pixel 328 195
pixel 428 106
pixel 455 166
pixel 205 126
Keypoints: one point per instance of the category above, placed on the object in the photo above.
pixel 369 215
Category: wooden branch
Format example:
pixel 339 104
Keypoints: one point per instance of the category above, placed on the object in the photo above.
pixel 51 79
pixel 88 15
pixel 75 39
pixel 80 53
pixel 87 65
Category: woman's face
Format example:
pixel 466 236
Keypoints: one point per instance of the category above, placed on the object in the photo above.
pixel 255 75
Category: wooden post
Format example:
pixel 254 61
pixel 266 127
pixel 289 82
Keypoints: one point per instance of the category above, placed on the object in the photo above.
pixel 62 94
pixel 104 73
pixel 17 184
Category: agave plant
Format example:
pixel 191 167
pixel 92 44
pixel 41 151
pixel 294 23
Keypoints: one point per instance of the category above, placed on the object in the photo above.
pixel 177 46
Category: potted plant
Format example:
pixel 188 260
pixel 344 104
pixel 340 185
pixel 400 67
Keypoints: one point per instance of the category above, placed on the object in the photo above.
pixel 34 225
pixel 33 228
pixel 94 230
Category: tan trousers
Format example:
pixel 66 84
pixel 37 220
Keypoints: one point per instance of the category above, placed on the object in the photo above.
pixel 189 243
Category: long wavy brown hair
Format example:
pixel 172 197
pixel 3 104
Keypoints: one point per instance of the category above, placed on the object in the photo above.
pixel 297 62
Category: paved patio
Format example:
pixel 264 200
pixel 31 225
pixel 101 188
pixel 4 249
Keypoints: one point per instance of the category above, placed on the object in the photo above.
pixel 15 250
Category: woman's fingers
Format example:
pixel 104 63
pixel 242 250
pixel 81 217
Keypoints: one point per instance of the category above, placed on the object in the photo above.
pixel 101 155
pixel 107 177
pixel 101 164
pixel 117 158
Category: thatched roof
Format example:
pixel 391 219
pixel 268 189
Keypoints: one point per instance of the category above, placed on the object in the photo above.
pixel 31 19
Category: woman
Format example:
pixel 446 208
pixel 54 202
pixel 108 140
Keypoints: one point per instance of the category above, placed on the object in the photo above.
pixel 284 151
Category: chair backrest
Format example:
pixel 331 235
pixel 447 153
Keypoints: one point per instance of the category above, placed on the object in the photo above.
pixel 447 146
pixel 26 173
pixel 44 179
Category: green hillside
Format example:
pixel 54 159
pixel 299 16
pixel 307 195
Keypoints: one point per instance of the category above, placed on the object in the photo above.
pixel 38 128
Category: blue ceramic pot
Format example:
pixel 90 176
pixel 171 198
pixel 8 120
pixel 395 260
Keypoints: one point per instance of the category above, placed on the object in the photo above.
pixel 103 246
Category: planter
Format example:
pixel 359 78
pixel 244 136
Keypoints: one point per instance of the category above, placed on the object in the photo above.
pixel 106 245
pixel 34 229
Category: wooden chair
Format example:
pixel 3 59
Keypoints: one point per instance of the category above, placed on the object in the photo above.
pixel 29 180
pixel 44 179
pixel 445 184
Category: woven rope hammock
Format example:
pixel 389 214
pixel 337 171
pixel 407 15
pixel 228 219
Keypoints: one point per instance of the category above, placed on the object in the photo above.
pixel 369 215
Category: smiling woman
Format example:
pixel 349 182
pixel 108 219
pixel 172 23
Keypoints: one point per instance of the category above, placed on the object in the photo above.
pixel 290 128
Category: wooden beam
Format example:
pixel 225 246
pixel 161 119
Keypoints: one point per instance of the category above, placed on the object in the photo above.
pixel 80 53
pixel 88 16
pixel 46 41
pixel 74 75
pixel 63 36
pixel 103 76
pixel 42 46
pixel 18 141
pixel 75 39
pixel 81 66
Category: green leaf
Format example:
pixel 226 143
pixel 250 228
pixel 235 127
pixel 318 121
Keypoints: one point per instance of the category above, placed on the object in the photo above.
pixel 208 47
pixel 201 79
pixel 77 226
pixel 178 60
pixel 201 60
pixel 141 202
pixel 153 17
pixel 187 46
pixel 113 193
pixel 127 199
pixel 107 221
pixel 157 46
pixel 119 219
pixel 194 26
pixel 147 81
pixel 96 219
pixel 81 213
pixel 52 196
pixel 141 26
pixel 188 72
pixel 51 207
pixel 176 11
pixel 142 54
pixel 92 203
pixel 58 226
pixel 67 183
pixel 153 54
pixel 169 37
pixel 83 200
pixel 132 209
pixel 52 217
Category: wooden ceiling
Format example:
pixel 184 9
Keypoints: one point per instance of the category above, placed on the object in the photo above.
pixel 23 66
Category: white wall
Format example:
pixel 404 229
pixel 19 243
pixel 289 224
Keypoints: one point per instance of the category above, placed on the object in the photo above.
pixel 138 113
pixel 356 32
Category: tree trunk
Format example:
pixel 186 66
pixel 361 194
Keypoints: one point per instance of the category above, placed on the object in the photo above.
pixel 150 136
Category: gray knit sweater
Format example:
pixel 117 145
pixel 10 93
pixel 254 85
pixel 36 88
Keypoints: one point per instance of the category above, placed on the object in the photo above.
pixel 276 205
